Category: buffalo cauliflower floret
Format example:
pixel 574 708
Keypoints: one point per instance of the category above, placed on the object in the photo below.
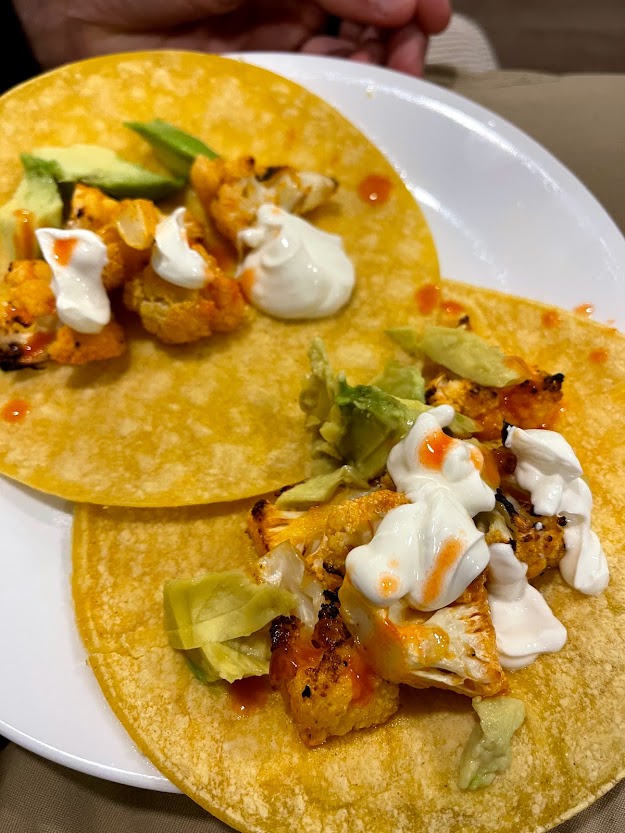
pixel 27 314
pixel 324 680
pixel 126 228
pixel 533 403
pixel 70 347
pixel 324 534
pixel 231 191
pixel 177 315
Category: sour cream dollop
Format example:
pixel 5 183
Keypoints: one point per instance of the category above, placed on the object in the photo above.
pixel 430 550
pixel 77 258
pixel 294 270
pixel 427 452
pixel 525 626
pixel 549 470
pixel 173 259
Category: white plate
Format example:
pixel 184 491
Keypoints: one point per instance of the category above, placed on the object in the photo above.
pixel 504 214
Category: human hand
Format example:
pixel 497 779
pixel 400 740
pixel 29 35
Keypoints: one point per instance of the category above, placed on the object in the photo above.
pixel 387 32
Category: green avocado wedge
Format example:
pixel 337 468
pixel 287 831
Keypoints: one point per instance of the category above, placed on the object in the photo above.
pixel 102 168
pixel 172 146
pixel 38 195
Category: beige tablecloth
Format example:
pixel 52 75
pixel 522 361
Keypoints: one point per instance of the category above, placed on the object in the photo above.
pixel 580 119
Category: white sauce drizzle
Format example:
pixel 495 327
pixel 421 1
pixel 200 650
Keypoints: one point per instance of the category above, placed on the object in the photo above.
pixel 173 259
pixel 430 550
pixel 294 271
pixel 549 470
pixel 81 299
pixel 524 624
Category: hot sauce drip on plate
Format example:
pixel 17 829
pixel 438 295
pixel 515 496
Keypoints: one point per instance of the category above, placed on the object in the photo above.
pixel 375 189
pixel 586 309
pixel 15 411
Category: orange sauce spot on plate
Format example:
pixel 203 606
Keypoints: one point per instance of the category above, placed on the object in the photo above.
pixel 586 309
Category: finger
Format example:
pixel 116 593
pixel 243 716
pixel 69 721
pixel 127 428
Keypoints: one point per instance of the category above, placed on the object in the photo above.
pixel 325 45
pixel 351 31
pixel 370 52
pixel 143 15
pixel 433 15
pixel 387 13
pixel 406 50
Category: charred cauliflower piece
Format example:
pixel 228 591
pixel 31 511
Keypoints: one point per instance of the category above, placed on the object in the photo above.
pixel 533 403
pixel 126 228
pixel 325 534
pixel 324 680
pixel 28 314
pixel 231 191
pixel 537 540
pixel 177 315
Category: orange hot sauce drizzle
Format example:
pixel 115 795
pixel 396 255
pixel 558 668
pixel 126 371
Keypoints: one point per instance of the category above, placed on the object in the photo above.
pixel 445 560
pixel 433 450
pixel 362 678
pixel 375 189
pixel 247 282
pixel 452 307
pixel 37 344
pixel 63 248
pixel 15 411
pixel 249 694
pixel 551 319
pixel 585 309
pixel 599 355
pixel 24 235
pixel 427 297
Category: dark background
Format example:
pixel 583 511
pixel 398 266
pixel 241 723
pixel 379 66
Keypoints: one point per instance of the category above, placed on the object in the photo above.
pixel 553 35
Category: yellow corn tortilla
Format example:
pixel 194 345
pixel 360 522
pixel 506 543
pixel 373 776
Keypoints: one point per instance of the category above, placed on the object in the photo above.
pixel 168 426
pixel 254 773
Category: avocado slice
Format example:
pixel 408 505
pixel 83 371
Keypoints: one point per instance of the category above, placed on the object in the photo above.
pixel 38 194
pixel 103 168
pixel 172 146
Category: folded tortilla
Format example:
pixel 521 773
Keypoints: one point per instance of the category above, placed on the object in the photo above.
pixel 216 420
pixel 250 768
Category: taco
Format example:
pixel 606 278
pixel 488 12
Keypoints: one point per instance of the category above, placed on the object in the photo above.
pixel 344 734
pixel 152 407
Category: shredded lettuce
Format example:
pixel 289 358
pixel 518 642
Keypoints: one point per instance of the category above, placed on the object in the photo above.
pixel 354 427
pixel 487 752
pixel 220 621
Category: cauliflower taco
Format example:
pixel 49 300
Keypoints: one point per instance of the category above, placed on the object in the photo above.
pixel 426 634
pixel 174 229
